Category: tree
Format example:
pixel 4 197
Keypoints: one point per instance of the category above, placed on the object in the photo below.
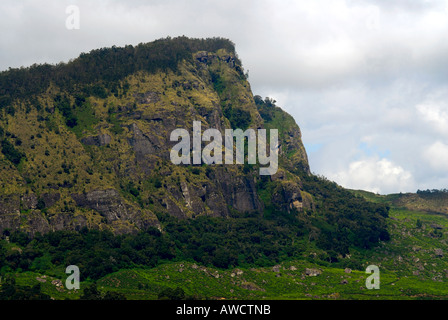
pixel 172 294
pixel 91 293
pixel 11 153
pixel 419 224
pixel 110 295
pixel 40 204
pixel 11 291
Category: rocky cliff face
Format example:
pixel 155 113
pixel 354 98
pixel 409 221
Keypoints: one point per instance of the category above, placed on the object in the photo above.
pixel 111 168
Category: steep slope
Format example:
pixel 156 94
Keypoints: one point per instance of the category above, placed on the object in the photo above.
pixel 90 155
pixel 87 144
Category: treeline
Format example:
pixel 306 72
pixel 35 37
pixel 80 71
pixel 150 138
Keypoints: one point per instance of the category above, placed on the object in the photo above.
pixel 433 193
pixel 9 290
pixel 217 242
pixel 344 220
pixel 245 240
pixel 99 71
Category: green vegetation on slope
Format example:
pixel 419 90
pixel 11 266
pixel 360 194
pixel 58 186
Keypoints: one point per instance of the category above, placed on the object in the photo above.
pixel 410 268
pixel 85 151
pixel 98 72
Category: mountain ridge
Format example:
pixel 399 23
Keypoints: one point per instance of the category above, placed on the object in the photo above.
pixel 86 179
pixel 88 146
pixel 148 105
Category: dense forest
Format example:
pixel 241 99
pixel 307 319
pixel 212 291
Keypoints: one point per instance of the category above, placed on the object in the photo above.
pixel 344 221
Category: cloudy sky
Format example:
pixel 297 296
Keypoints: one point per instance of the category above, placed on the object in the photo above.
pixel 367 81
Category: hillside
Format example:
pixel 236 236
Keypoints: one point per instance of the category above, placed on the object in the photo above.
pixel 413 267
pixel 86 176
pixel 89 144
pixel 430 201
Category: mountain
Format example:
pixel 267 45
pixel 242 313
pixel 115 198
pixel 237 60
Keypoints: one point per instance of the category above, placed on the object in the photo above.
pixel 86 145
pixel 87 179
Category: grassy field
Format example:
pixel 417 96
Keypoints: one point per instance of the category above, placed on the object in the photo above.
pixel 412 266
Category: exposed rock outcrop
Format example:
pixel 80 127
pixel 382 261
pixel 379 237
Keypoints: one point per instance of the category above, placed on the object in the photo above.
pixel 99 140
pixel 114 208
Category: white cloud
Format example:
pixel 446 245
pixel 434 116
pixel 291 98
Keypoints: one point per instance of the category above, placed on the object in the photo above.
pixel 436 114
pixel 437 156
pixel 376 175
